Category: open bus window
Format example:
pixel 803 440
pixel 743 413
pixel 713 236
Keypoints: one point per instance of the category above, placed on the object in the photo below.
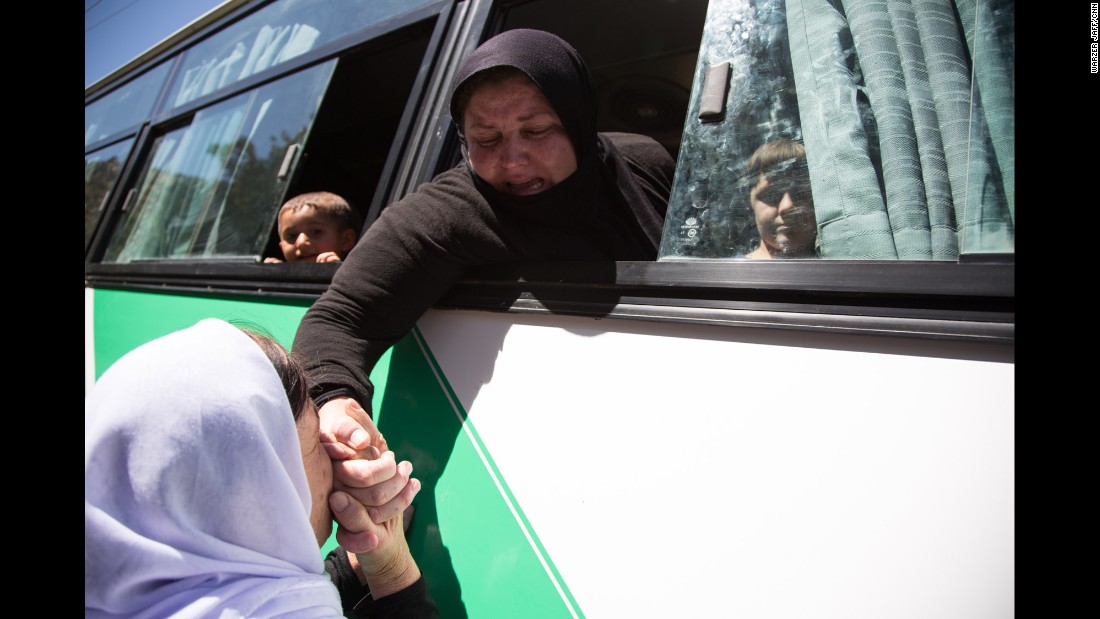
pixel 210 189
pixel 357 123
pixel 905 113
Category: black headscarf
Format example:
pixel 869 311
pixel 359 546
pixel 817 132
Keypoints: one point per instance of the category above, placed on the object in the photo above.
pixel 554 66
pixel 563 77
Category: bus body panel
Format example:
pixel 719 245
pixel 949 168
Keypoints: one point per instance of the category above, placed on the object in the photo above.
pixel 122 320
pixel 689 468
pixel 586 467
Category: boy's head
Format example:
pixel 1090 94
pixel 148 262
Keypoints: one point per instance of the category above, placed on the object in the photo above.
pixel 317 227
pixel 781 201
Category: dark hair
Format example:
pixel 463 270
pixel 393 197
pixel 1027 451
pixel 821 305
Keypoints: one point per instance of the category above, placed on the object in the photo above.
pixel 290 369
pixel 331 204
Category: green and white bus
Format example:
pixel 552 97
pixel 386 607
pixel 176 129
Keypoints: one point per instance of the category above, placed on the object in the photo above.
pixel 697 436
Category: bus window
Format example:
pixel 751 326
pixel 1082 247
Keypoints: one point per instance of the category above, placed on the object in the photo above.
pixel 101 170
pixel 279 32
pixel 211 188
pixel 124 107
pixel 642 67
pixel 905 115
pixel 358 120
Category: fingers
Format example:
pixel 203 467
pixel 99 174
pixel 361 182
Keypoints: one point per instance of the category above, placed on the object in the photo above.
pixel 359 474
pixel 357 542
pixel 363 529
pixel 356 532
pixel 340 451
pixel 346 428
pixel 383 486
pixel 397 505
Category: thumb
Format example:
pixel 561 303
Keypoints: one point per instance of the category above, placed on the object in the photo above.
pixel 357 531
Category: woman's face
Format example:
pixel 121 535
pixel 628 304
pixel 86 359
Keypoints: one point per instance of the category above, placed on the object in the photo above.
pixel 515 140
pixel 318 472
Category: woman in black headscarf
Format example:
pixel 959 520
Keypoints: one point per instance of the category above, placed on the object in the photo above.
pixel 604 186
pixel 538 183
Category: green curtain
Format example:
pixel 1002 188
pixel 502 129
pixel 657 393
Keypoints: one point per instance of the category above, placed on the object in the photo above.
pixel 908 121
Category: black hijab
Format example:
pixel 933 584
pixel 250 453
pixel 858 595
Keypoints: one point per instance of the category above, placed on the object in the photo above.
pixel 602 175
pixel 554 66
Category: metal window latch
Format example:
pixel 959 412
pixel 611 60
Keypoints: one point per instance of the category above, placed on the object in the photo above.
pixel 129 199
pixel 712 103
pixel 288 160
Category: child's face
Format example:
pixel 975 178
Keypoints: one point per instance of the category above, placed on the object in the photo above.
pixel 784 210
pixel 308 236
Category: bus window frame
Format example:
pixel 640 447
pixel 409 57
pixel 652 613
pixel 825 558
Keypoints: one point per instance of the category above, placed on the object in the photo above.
pixel 971 299
pixel 164 120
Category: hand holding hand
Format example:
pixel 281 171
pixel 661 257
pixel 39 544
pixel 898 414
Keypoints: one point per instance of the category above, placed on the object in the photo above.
pixel 347 431
pixel 363 466
pixel 378 552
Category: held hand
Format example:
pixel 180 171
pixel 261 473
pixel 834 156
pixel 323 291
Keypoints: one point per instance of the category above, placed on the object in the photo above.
pixel 328 256
pixel 379 552
pixel 362 464
pixel 383 486
pixel 359 532
pixel 347 431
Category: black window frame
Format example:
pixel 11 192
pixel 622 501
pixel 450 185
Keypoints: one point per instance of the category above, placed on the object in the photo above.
pixel 163 120
pixel 968 300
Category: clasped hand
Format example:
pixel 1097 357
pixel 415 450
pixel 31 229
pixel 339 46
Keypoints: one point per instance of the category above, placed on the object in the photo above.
pixel 366 469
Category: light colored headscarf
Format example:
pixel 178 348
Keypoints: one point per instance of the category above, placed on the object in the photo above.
pixel 196 502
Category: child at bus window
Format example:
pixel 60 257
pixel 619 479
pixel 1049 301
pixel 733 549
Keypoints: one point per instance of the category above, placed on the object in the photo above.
pixel 782 203
pixel 319 226
pixel 229 491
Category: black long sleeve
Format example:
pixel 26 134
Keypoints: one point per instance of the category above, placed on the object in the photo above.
pixel 412 602
pixel 423 244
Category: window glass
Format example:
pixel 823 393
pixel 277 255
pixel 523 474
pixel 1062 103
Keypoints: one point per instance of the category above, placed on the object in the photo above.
pixel 124 107
pixel 101 170
pixel 872 130
pixel 276 33
pixel 991 202
pixel 210 189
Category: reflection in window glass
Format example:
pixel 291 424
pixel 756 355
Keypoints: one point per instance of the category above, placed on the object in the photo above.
pixel 880 130
pixel 991 201
pixel 101 170
pixel 124 107
pixel 276 33
pixel 210 189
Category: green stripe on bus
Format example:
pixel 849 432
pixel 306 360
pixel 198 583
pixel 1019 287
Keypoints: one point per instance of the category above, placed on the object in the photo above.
pixel 481 558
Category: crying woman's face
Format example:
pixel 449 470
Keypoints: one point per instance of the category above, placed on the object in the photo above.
pixel 515 140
